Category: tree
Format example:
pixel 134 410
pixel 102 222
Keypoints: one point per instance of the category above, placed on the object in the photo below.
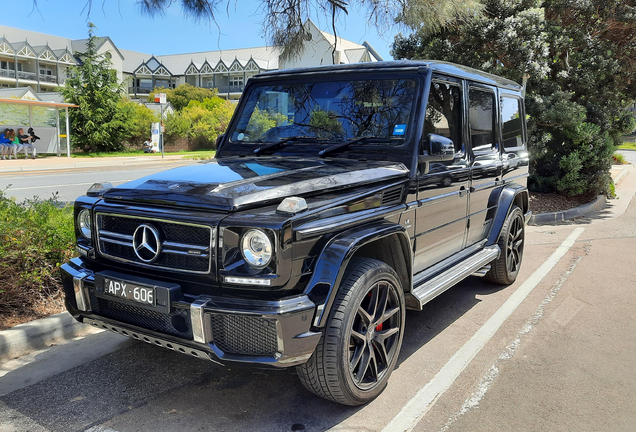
pixel 201 121
pixel 140 119
pixel 94 87
pixel 181 96
pixel 579 57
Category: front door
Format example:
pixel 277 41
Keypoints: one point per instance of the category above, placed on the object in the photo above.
pixel 441 215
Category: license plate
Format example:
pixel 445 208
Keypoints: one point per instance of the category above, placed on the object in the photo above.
pixel 129 291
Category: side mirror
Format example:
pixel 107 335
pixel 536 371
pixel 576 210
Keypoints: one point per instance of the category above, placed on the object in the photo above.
pixel 437 148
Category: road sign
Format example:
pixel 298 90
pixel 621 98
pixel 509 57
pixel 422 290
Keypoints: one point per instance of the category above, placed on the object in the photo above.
pixel 160 98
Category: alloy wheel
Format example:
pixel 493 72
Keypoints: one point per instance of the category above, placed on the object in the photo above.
pixel 514 246
pixel 374 335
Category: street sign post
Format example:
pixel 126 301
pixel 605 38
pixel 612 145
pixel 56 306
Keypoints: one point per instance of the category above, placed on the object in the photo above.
pixel 160 98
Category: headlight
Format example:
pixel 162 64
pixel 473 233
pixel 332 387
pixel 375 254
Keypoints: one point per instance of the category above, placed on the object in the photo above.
pixel 256 248
pixel 84 222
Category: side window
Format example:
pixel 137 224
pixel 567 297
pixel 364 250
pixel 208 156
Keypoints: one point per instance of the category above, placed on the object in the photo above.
pixel 511 122
pixel 481 118
pixel 443 113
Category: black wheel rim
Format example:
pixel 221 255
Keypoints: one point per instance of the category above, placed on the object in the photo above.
pixel 514 246
pixel 374 335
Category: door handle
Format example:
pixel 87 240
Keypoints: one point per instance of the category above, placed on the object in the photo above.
pixel 462 191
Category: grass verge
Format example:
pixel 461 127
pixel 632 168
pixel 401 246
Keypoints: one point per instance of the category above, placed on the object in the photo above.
pixel 628 145
pixel 36 237
pixel 202 155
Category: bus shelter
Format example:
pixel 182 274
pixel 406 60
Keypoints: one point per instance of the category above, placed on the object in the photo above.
pixel 57 106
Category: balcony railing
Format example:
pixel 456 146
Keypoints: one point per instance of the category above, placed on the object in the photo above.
pixel 27 75
pixel 7 73
pixel 231 89
pixel 48 78
pixel 139 90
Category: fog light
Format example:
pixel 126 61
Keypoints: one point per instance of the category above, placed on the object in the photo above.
pixel 247 281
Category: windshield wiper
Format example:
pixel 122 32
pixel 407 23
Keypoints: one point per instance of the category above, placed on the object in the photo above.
pixel 347 143
pixel 284 141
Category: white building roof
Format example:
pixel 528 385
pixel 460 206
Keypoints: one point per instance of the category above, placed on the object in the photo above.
pixel 265 57
pixel 15 36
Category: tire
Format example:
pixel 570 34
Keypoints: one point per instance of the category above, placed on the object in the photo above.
pixel 504 270
pixel 336 370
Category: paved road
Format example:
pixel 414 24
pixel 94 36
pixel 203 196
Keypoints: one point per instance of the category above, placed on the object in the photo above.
pixel 561 360
pixel 71 183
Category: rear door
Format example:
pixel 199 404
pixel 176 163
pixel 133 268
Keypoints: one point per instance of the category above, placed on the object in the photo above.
pixel 441 215
pixel 485 159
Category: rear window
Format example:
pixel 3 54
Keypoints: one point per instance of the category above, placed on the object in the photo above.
pixel 511 122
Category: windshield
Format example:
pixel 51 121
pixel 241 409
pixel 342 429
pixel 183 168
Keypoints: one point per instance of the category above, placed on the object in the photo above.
pixel 327 112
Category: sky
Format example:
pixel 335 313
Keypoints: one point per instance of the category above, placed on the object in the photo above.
pixel 172 33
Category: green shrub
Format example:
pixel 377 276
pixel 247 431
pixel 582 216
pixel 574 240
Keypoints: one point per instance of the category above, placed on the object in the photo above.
pixel 619 159
pixel 36 237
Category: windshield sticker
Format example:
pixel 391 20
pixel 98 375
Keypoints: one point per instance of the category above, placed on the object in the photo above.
pixel 399 129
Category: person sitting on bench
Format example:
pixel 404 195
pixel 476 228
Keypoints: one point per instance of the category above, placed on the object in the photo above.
pixel 25 144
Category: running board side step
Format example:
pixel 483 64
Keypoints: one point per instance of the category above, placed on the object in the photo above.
pixel 431 288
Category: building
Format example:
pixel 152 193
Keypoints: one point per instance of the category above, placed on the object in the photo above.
pixel 40 61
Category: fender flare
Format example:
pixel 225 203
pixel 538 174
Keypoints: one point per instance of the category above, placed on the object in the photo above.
pixel 507 198
pixel 332 262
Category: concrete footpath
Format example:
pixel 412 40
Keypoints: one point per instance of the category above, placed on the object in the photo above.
pixel 52 163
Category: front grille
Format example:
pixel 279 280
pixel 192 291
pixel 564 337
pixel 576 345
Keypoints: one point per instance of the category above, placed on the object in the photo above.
pixel 183 247
pixel 236 334
pixel 177 323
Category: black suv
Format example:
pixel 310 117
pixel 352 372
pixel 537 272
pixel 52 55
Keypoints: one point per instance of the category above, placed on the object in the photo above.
pixel 340 196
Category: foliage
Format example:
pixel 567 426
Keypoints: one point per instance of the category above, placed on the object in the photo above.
pixel 202 121
pixel 36 236
pixel 619 159
pixel 139 121
pixel 98 123
pixel 262 121
pixel 181 96
pixel 579 59
pixel 325 123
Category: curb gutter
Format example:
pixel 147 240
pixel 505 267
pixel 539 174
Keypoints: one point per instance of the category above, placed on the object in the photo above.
pixel 584 210
pixel 41 333
pixel 599 203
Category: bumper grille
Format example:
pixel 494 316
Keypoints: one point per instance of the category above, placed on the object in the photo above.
pixel 177 323
pixel 183 247
pixel 69 290
pixel 236 334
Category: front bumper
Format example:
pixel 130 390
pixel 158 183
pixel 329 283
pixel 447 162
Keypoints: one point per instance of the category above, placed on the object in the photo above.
pixel 223 330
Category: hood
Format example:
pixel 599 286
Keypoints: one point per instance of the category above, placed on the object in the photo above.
pixel 232 184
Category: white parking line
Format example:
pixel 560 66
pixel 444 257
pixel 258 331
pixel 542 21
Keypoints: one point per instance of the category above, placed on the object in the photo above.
pixel 426 397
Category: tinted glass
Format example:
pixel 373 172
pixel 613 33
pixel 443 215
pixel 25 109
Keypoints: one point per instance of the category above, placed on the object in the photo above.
pixel 333 111
pixel 482 119
pixel 511 120
pixel 443 113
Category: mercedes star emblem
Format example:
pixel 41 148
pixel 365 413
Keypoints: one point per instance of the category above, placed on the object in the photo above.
pixel 146 243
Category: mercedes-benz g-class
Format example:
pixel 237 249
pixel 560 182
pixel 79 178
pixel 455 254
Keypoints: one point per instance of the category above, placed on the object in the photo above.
pixel 340 196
